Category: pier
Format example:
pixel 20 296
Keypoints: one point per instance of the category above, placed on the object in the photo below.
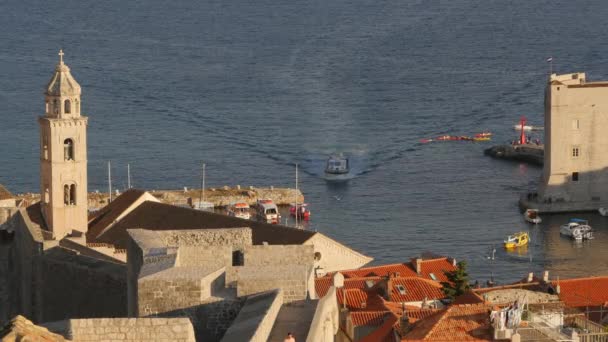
pixel 220 197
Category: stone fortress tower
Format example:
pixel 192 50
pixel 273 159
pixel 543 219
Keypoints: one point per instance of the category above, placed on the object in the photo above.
pixel 63 155
pixel 575 174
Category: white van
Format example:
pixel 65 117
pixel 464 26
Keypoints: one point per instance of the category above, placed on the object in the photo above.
pixel 267 211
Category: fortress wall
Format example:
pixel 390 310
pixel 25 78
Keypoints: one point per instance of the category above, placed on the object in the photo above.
pixel 125 329
pixel 67 288
pixel 332 256
pixel 292 279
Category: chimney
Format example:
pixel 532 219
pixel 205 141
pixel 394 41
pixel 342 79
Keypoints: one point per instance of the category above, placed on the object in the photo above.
pixel 418 266
pixel 546 276
pixel 338 280
pixel 530 277
pixel 557 289
pixel 404 325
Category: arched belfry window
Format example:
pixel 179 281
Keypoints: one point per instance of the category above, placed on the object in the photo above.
pixel 69 194
pixel 55 107
pixel 68 149
pixel 73 194
pixel 67 108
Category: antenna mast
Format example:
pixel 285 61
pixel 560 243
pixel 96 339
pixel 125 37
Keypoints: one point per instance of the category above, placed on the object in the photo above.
pixel 109 181
pixel 297 212
pixel 128 176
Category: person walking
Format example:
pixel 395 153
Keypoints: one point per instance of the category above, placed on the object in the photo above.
pixel 289 338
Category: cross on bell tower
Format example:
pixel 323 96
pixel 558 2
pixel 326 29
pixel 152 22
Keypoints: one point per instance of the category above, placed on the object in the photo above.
pixel 63 155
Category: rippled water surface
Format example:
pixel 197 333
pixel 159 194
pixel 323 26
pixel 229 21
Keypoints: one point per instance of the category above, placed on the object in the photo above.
pixel 252 87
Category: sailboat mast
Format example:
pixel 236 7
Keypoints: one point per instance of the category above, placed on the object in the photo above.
pixel 109 182
pixel 297 212
pixel 128 176
pixel 200 197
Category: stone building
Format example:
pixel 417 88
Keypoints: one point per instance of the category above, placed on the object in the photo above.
pixel 575 173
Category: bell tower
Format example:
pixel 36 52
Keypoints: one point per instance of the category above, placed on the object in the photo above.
pixel 63 155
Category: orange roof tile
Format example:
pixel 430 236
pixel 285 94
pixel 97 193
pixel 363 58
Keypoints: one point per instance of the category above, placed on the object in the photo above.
pixel 580 292
pixel 357 299
pixel 323 284
pixel 469 297
pixel 370 318
pixel 436 267
pixel 384 333
pixel 404 269
pixel 414 289
pixel 457 323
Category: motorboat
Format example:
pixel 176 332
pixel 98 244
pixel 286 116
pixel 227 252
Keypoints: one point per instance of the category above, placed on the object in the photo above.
pixel 603 211
pixel 517 240
pixel 240 210
pixel 527 128
pixel 267 211
pixel 301 210
pixel 337 165
pixel 531 215
pixel 577 229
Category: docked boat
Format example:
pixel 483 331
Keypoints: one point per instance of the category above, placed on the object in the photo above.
pixel 240 210
pixel 267 211
pixel 531 215
pixel 603 211
pixel 337 165
pixel 519 239
pixel 577 229
pixel 301 210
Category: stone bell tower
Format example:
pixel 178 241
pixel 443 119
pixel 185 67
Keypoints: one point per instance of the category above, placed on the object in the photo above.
pixel 63 155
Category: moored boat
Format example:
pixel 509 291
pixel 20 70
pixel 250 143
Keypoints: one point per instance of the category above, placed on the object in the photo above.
pixel 240 210
pixel 577 229
pixel 301 210
pixel 531 215
pixel 517 240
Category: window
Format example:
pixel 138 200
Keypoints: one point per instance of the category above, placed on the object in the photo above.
pixel 433 276
pixel 55 107
pixel 575 152
pixel 73 194
pixel 369 283
pixel 237 258
pixel 68 149
pixel 317 256
pixel 67 108
pixel 46 108
pixel 69 194
pixel 401 289
pixel 575 176
pixel 575 124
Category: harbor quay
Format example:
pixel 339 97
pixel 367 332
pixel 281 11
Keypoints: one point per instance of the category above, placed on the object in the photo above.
pixel 220 197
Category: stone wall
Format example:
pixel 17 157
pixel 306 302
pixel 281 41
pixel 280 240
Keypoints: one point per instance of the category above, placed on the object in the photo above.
pixel 268 255
pixel 6 213
pixel 125 329
pixel 217 256
pixel 72 285
pixel 292 279
pixel 234 237
pixel 256 319
pixel 177 288
pixel 326 320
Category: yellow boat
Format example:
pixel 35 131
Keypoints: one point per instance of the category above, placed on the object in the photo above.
pixel 482 139
pixel 517 240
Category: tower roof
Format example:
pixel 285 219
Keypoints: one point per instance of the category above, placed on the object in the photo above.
pixel 62 83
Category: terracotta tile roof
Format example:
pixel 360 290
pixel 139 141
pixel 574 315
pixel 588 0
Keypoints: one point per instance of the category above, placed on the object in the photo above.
pixel 369 318
pixel 469 297
pixel 323 284
pixel 580 292
pixel 357 299
pixel 435 266
pixel 456 323
pixel 414 313
pixel 5 194
pixel 385 333
pixel 160 216
pixel 404 269
pixel 414 289
pixel 108 214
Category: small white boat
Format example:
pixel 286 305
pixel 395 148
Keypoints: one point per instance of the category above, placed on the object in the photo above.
pixel 528 128
pixel 531 215
pixel 337 165
pixel 267 211
pixel 603 211
pixel 577 229
pixel 240 210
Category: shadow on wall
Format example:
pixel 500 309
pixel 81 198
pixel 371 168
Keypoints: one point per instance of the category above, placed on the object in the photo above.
pixel 576 191
pixel 211 320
